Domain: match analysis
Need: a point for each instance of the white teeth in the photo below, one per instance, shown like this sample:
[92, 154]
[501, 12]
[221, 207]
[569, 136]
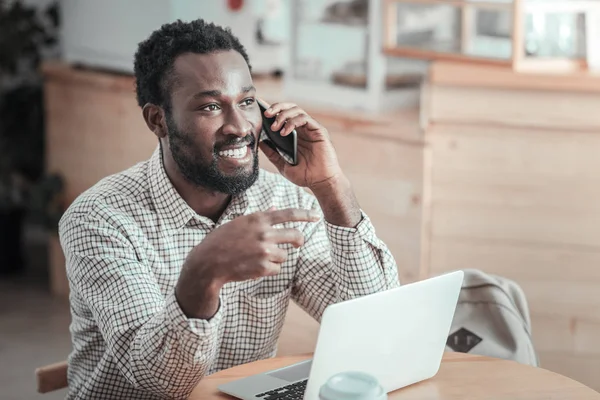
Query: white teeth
[234, 153]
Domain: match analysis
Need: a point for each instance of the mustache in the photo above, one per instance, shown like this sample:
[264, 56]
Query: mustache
[248, 140]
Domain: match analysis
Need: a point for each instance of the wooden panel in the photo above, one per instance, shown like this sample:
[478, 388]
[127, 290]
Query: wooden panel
[93, 133]
[401, 236]
[516, 225]
[514, 185]
[572, 335]
[517, 261]
[582, 368]
[552, 195]
[515, 108]
[512, 155]
[522, 203]
[387, 178]
[566, 299]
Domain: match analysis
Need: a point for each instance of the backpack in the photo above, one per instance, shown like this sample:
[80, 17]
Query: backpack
[492, 319]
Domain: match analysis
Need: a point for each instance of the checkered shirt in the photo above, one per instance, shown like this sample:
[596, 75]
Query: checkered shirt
[125, 241]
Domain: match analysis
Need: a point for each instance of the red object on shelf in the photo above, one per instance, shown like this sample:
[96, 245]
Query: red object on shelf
[235, 5]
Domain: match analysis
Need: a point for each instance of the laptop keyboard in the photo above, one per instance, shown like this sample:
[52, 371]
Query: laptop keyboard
[295, 391]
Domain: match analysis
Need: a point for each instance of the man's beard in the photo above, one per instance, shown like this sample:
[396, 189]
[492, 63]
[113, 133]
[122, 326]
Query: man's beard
[205, 173]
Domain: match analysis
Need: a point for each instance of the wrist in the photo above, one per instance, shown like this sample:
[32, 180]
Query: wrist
[198, 295]
[338, 201]
[335, 184]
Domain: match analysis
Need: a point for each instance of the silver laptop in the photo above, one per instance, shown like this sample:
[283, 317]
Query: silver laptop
[398, 336]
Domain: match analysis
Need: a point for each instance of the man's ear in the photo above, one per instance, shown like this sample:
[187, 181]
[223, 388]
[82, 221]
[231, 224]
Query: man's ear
[155, 119]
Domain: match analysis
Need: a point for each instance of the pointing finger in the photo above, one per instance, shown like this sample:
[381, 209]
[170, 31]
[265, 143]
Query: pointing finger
[292, 215]
[284, 236]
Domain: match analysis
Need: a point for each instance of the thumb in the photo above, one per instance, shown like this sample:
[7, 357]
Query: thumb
[273, 156]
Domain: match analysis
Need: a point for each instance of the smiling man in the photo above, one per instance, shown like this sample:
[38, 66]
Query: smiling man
[184, 264]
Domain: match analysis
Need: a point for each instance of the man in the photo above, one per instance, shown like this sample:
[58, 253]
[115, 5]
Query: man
[184, 264]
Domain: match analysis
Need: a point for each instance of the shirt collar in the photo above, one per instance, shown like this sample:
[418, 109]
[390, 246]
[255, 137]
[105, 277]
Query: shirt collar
[172, 209]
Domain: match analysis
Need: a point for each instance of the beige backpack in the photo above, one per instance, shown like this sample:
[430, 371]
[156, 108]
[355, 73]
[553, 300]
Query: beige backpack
[492, 319]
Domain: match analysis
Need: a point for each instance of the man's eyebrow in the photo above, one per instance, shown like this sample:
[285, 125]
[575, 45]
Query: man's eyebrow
[208, 93]
[217, 93]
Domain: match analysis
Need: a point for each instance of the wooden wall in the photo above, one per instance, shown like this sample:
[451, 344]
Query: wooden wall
[95, 128]
[511, 184]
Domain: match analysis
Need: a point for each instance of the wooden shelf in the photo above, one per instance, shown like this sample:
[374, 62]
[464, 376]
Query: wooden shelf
[518, 9]
[486, 76]
[425, 54]
[486, 5]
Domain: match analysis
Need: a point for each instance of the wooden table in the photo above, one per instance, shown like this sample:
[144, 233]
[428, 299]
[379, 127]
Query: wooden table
[461, 376]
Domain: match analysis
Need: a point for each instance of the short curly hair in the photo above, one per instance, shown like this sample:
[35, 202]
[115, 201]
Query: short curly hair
[155, 56]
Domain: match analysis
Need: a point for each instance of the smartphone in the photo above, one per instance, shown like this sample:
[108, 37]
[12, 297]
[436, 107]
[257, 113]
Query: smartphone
[286, 146]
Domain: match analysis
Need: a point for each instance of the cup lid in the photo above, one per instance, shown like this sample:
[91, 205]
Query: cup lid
[351, 385]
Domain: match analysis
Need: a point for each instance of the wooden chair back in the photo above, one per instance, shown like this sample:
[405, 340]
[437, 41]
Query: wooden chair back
[51, 377]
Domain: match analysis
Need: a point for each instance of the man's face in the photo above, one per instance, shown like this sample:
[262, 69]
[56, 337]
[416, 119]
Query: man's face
[214, 122]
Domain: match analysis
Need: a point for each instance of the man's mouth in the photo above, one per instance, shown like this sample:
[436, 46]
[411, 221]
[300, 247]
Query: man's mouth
[238, 152]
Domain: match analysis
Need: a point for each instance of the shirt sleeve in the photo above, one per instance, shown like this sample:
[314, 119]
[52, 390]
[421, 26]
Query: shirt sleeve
[338, 263]
[155, 346]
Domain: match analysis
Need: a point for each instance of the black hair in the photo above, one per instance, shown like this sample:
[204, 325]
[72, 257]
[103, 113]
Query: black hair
[155, 56]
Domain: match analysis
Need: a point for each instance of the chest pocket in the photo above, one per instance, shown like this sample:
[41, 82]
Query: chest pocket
[255, 315]
[260, 321]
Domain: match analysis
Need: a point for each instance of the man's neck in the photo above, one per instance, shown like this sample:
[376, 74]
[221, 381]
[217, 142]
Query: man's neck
[204, 202]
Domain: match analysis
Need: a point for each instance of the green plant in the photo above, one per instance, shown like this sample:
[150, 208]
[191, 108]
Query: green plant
[26, 35]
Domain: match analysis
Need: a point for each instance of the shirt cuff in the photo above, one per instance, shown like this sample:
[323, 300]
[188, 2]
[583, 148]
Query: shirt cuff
[352, 239]
[191, 329]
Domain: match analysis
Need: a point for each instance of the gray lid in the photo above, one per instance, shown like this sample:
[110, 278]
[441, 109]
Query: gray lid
[352, 385]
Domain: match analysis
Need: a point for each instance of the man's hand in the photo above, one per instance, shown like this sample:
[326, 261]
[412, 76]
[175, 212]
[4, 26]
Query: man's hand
[245, 248]
[317, 161]
[318, 168]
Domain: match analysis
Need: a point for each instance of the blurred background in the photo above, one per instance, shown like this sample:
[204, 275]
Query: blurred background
[470, 131]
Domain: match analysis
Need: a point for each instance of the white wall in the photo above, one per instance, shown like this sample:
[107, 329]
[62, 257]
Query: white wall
[106, 33]
[243, 24]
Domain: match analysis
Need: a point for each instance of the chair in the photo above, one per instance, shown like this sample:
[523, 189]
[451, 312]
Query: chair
[51, 377]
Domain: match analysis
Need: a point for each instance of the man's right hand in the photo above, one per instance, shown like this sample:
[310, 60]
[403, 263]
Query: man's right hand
[245, 248]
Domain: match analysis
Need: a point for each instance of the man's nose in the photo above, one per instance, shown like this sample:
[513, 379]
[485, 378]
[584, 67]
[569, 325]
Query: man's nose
[237, 124]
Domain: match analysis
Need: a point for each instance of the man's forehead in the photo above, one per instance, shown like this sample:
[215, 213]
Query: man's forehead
[213, 69]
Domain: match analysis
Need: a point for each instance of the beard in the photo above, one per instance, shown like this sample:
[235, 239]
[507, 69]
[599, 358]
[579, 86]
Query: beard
[206, 173]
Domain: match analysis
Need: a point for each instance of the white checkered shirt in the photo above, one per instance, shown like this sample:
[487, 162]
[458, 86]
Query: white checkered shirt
[125, 241]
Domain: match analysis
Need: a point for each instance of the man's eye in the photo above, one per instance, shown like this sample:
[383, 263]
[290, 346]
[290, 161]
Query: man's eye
[247, 102]
[211, 107]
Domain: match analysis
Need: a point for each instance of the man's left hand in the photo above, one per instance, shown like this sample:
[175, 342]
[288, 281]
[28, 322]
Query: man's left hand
[317, 162]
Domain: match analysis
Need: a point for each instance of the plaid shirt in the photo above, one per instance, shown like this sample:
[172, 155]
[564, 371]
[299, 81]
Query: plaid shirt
[125, 241]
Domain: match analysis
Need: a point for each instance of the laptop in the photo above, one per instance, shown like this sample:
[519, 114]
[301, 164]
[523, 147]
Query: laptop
[398, 336]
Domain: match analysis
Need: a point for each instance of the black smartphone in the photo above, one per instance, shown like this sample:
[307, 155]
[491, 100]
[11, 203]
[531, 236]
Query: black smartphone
[286, 146]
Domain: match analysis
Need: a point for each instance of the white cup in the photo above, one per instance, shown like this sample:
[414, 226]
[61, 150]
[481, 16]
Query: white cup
[352, 385]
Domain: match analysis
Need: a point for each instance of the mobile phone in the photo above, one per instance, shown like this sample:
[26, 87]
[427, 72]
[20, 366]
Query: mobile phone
[286, 146]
